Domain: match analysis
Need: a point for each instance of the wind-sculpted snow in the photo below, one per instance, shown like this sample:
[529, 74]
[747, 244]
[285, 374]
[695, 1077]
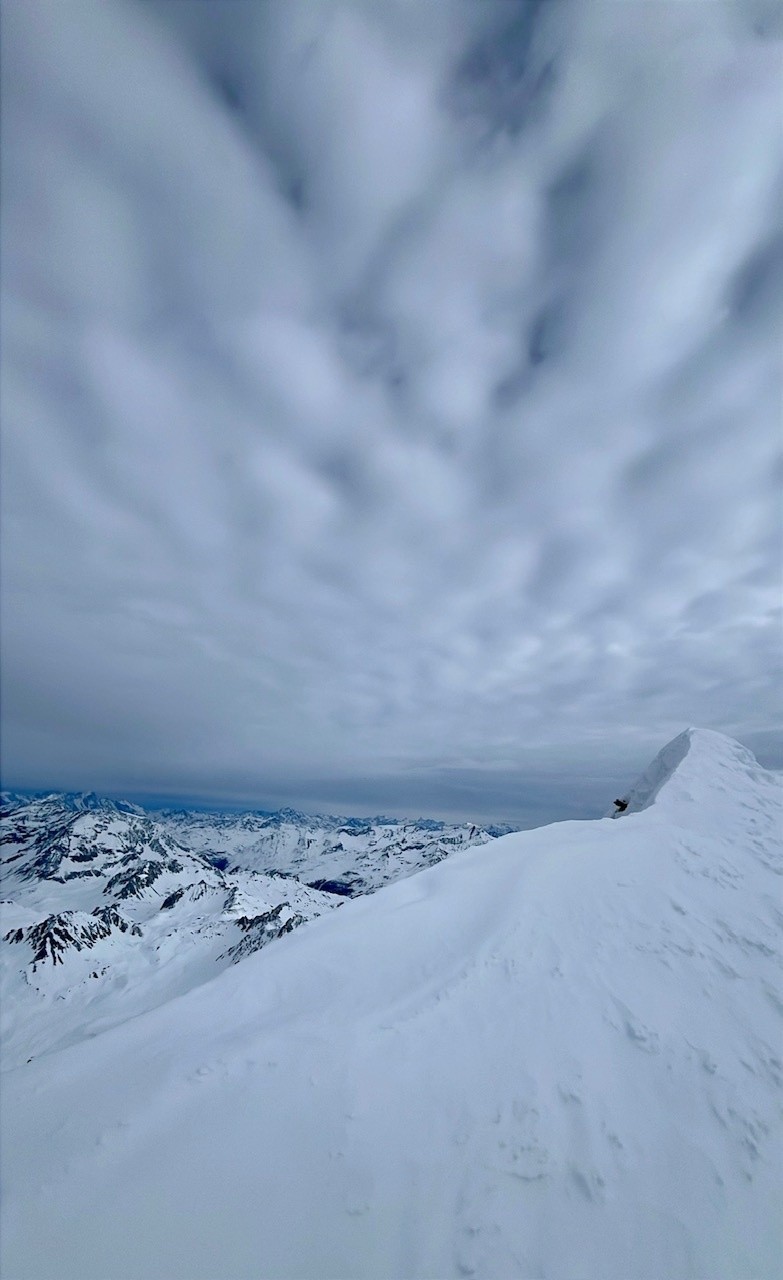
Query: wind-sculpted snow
[692, 769]
[555, 1056]
[646, 787]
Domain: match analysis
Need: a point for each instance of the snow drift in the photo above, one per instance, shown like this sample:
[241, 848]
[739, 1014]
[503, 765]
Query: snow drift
[556, 1055]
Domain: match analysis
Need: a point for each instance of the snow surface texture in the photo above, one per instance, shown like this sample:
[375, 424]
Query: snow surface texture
[557, 1055]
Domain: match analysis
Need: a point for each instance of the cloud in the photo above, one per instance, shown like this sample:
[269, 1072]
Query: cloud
[390, 390]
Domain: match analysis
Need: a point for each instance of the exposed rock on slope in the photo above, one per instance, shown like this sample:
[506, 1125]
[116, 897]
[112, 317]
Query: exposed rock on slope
[346, 856]
[81, 874]
[105, 914]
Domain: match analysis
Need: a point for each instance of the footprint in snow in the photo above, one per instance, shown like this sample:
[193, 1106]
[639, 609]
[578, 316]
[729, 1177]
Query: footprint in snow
[636, 1031]
[588, 1182]
[520, 1152]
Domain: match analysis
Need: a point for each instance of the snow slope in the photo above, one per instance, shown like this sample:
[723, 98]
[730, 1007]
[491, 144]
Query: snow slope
[104, 914]
[558, 1055]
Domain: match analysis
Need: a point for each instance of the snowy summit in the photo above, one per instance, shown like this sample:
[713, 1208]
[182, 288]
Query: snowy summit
[556, 1054]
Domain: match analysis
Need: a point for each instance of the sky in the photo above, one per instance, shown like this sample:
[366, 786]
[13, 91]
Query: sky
[391, 397]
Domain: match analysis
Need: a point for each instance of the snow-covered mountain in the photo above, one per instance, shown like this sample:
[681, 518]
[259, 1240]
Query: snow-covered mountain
[348, 856]
[104, 914]
[106, 911]
[557, 1055]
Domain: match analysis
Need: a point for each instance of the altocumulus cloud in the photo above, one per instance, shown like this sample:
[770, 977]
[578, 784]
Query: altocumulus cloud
[391, 391]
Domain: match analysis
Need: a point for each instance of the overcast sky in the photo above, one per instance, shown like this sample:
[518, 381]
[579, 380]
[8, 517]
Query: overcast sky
[391, 396]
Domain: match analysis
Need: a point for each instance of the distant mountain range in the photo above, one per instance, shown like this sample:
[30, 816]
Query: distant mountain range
[347, 856]
[108, 910]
